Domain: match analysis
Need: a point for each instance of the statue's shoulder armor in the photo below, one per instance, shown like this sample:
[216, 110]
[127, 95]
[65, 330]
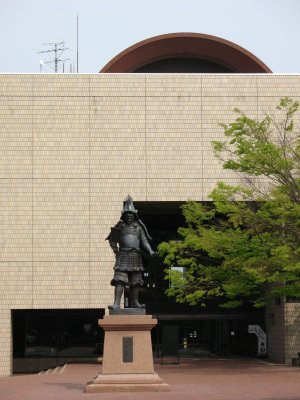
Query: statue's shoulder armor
[115, 233]
[119, 225]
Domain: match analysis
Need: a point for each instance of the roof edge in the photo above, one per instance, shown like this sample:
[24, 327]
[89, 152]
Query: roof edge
[200, 45]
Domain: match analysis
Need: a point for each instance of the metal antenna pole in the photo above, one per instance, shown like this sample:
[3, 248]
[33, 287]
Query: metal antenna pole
[77, 43]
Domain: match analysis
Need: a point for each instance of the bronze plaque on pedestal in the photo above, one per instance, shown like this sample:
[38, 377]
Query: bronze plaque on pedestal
[127, 349]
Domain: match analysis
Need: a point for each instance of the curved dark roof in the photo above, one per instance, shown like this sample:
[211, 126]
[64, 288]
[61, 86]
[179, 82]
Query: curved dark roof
[224, 55]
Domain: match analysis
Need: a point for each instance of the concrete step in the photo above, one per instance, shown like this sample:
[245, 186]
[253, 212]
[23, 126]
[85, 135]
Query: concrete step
[56, 370]
[49, 371]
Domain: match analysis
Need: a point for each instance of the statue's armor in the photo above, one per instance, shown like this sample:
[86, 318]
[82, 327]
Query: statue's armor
[127, 247]
[130, 237]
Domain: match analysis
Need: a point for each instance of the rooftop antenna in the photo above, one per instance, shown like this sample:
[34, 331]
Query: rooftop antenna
[58, 48]
[77, 43]
[41, 65]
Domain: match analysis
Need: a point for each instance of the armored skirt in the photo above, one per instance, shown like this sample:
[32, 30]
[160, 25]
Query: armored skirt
[129, 260]
[128, 269]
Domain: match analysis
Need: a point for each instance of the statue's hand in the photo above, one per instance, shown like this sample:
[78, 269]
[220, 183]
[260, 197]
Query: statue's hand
[153, 254]
[115, 250]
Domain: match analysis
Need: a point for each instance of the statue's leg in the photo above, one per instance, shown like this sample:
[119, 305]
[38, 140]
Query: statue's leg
[134, 297]
[136, 283]
[119, 281]
[119, 289]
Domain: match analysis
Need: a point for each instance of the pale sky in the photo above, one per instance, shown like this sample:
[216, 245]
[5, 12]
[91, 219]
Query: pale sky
[270, 29]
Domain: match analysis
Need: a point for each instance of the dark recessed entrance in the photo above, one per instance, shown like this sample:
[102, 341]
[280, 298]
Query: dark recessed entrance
[200, 331]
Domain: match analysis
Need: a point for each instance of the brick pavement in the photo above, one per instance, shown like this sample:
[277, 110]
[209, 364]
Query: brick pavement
[211, 379]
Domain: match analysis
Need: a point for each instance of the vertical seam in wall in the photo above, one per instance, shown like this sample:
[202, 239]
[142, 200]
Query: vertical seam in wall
[89, 266]
[256, 80]
[32, 172]
[146, 155]
[285, 330]
[201, 136]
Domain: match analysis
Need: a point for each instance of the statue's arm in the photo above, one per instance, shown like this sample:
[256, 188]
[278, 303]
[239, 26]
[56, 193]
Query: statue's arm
[114, 246]
[146, 246]
[114, 237]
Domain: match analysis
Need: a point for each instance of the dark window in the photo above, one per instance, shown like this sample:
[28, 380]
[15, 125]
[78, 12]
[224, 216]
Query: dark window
[56, 334]
[278, 301]
[292, 299]
[183, 65]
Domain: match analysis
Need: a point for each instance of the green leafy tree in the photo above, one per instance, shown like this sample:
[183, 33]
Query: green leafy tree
[244, 245]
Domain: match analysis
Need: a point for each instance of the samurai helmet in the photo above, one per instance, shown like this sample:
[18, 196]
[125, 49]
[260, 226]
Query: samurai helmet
[129, 206]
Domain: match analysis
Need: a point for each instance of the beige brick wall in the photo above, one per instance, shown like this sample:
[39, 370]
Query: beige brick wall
[5, 342]
[275, 328]
[292, 331]
[73, 146]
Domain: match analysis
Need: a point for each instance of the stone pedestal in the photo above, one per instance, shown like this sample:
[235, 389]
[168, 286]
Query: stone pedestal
[127, 358]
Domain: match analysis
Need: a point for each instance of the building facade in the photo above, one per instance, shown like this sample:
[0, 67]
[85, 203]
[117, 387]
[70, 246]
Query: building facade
[72, 148]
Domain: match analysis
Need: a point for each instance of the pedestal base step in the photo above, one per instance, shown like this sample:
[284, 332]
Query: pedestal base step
[127, 383]
[128, 311]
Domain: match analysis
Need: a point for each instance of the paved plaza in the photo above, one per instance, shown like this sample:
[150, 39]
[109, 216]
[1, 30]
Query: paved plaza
[209, 379]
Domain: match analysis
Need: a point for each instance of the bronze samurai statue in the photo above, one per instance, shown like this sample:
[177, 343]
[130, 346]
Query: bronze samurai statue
[128, 239]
